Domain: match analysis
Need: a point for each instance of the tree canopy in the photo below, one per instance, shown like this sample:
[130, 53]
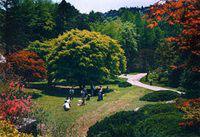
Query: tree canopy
[184, 13]
[124, 32]
[85, 57]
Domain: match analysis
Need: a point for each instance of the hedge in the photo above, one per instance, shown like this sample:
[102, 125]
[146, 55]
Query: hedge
[159, 125]
[132, 124]
[163, 95]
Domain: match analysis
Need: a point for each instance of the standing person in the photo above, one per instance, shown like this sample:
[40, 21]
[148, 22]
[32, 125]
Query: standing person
[107, 89]
[100, 93]
[71, 93]
[83, 94]
[92, 90]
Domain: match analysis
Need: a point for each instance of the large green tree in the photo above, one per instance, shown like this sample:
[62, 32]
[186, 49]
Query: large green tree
[65, 16]
[125, 33]
[95, 17]
[85, 57]
[24, 21]
[148, 41]
[129, 43]
[110, 28]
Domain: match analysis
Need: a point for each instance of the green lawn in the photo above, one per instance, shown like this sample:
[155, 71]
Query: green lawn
[79, 118]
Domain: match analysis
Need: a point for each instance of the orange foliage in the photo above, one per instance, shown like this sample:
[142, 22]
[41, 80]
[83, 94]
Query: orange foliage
[185, 13]
[28, 65]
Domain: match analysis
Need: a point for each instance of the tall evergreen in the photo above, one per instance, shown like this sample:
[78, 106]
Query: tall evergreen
[66, 13]
[24, 21]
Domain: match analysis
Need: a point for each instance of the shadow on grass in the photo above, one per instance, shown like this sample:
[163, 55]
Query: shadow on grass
[60, 90]
[35, 95]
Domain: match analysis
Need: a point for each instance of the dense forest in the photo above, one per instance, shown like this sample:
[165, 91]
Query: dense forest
[25, 22]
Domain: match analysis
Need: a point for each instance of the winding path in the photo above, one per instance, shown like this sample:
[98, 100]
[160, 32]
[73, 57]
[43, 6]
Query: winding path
[135, 80]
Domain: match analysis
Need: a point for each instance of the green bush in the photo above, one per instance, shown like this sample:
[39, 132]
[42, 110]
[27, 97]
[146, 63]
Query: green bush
[160, 125]
[124, 84]
[128, 124]
[116, 125]
[174, 78]
[121, 82]
[191, 84]
[42, 49]
[164, 95]
[150, 110]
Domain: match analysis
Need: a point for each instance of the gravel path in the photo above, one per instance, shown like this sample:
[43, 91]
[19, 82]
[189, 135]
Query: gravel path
[135, 80]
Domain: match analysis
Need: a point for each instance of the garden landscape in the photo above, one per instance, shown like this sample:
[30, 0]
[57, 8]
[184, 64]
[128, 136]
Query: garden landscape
[89, 69]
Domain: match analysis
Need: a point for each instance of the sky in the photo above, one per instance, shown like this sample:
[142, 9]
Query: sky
[85, 6]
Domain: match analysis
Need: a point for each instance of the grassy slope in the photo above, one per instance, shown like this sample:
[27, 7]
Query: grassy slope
[85, 116]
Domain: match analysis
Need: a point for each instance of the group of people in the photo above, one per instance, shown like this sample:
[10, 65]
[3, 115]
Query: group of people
[84, 96]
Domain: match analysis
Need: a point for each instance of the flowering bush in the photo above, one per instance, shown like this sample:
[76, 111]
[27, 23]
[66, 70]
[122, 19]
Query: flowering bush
[191, 108]
[14, 104]
[5, 75]
[7, 129]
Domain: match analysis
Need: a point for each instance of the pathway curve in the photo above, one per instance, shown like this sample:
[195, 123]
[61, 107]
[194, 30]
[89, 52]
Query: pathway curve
[135, 80]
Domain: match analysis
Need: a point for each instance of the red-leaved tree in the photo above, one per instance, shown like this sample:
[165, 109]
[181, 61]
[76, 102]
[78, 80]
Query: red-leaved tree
[27, 65]
[186, 13]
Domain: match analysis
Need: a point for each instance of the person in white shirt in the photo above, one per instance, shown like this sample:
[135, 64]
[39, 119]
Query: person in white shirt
[67, 104]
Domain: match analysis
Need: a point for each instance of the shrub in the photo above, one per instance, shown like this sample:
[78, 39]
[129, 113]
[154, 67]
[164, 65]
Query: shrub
[124, 84]
[14, 105]
[174, 77]
[123, 123]
[160, 96]
[191, 109]
[150, 110]
[191, 84]
[27, 65]
[42, 49]
[6, 76]
[119, 124]
[159, 125]
[8, 130]
[116, 80]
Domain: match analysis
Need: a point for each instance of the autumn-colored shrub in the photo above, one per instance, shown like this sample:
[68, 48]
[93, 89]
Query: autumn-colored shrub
[14, 105]
[8, 130]
[27, 65]
[191, 109]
